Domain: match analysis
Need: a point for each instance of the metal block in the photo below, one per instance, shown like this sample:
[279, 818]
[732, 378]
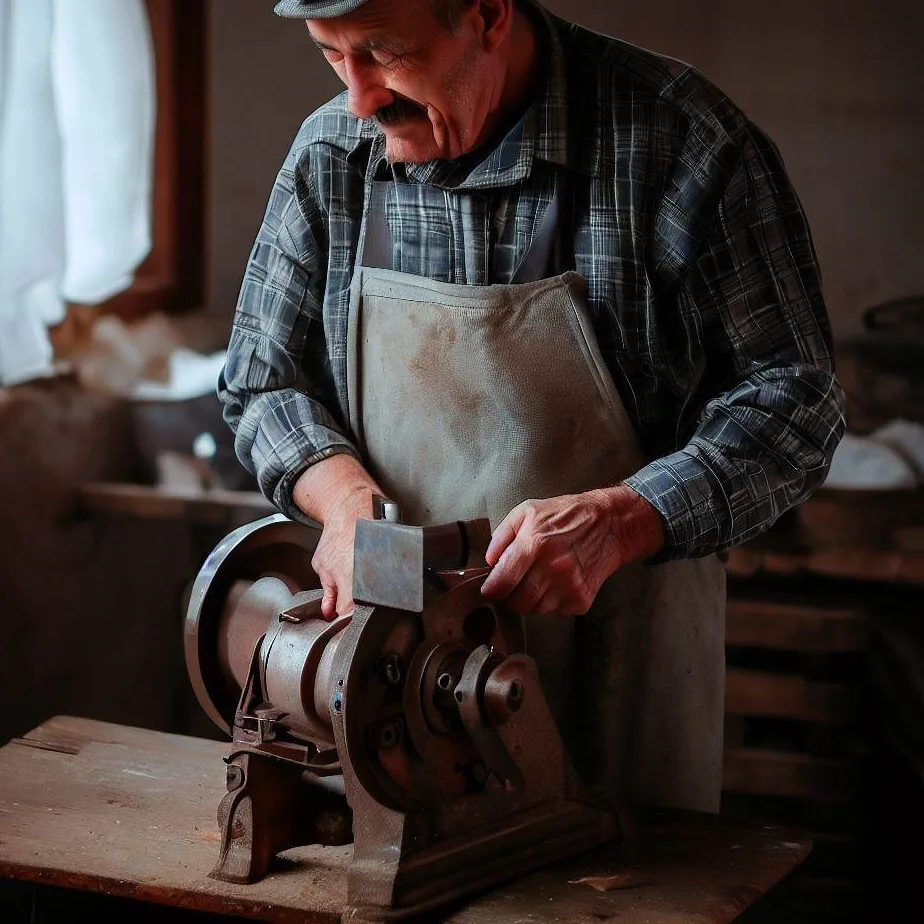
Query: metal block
[388, 565]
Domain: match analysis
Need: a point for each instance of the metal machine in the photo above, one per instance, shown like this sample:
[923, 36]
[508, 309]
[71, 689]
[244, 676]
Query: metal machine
[415, 728]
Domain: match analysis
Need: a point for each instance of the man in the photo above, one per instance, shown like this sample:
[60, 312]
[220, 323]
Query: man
[522, 271]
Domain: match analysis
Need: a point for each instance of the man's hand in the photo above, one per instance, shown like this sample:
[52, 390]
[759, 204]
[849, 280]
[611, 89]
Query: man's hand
[552, 556]
[336, 492]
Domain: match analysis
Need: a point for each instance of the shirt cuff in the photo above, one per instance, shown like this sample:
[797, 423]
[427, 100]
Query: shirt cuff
[683, 491]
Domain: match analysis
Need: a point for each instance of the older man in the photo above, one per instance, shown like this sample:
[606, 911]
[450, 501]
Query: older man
[523, 271]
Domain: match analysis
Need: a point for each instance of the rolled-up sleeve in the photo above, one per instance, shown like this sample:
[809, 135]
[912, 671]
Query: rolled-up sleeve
[768, 412]
[275, 386]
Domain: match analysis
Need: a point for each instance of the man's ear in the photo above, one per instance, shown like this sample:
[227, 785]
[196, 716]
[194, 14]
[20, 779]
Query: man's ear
[496, 17]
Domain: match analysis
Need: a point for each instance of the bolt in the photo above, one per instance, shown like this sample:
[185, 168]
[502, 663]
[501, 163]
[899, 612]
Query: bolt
[234, 777]
[389, 735]
[390, 669]
[515, 695]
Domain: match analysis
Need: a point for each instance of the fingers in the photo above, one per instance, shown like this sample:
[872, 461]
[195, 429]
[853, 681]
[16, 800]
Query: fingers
[334, 603]
[329, 602]
[500, 540]
[546, 557]
[333, 566]
[508, 571]
[533, 594]
[508, 556]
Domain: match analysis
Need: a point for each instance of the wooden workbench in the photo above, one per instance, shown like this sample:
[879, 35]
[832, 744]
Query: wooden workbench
[131, 813]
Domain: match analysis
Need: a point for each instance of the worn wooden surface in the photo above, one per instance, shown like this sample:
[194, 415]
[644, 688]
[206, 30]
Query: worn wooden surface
[872, 566]
[131, 812]
[219, 507]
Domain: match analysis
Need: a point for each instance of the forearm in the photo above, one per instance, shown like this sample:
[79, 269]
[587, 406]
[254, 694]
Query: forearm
[278, 430]
[761, 411]
[335, 486]
[276, 387]
[759, 449]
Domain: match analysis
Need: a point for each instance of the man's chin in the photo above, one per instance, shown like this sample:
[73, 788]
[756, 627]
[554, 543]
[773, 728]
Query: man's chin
[403, 148]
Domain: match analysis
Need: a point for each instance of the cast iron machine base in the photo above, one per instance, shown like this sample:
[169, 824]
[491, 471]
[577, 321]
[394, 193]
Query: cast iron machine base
[415, 728]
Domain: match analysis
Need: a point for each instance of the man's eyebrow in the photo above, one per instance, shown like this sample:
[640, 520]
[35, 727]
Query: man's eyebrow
[372, 43]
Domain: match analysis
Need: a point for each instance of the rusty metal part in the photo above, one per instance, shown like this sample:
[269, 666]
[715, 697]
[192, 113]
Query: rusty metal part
[394, 564]
[430, 719]
[271, 546]
[269, 808]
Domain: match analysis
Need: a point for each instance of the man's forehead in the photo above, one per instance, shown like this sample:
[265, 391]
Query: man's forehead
[377, 23]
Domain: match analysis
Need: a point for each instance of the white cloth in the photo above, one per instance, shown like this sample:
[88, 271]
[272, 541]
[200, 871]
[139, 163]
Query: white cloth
[889, 458]
[77, 114]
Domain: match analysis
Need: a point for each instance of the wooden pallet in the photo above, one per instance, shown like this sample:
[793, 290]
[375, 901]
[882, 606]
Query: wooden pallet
[794, 747]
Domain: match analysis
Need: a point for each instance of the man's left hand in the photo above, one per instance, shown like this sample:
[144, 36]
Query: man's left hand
[552, 556]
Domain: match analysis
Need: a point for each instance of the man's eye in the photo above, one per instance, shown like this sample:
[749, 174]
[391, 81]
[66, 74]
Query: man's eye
[332, 56]
[385, 58]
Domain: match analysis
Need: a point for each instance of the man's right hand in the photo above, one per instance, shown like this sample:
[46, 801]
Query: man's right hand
[336, 492]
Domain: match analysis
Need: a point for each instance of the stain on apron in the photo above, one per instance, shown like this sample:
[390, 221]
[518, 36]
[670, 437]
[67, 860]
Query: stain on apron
[467, 400]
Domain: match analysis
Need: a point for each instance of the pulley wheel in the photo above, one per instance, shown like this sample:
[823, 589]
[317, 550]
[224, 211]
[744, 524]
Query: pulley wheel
[273, 546]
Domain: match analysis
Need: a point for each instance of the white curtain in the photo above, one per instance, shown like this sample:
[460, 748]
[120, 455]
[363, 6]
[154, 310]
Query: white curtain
[77, 112]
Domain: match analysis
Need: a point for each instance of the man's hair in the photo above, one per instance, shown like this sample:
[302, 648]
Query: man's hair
[447, 12]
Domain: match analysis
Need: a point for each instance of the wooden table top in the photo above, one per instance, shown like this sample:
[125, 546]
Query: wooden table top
[131, 812]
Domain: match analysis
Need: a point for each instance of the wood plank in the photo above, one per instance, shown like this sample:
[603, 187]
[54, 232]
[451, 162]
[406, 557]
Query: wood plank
[133, 814]
[216, 507]
[854, 564]
[788, 626]
[786, 696]
[755, 771]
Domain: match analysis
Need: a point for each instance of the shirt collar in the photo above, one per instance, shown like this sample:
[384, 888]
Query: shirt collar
[540, 134]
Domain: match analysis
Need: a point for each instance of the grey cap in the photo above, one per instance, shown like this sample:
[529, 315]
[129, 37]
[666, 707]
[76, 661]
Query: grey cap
[316, 9]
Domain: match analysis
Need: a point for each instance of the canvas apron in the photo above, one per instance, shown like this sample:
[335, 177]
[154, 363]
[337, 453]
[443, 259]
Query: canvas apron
[467, 400]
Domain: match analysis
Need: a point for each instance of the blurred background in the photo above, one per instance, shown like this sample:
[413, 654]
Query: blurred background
[139, 140]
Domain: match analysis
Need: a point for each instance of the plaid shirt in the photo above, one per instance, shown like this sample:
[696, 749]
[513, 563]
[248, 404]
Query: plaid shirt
[702, 281]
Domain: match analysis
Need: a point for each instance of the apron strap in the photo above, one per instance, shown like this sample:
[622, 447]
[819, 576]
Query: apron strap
[535, 262]
[547, 256]
[374, 249]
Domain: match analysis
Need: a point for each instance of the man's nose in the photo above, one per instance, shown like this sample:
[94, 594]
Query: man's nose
[366, 94]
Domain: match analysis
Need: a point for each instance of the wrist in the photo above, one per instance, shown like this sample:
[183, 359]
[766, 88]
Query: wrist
[637, 527]
[335, 486]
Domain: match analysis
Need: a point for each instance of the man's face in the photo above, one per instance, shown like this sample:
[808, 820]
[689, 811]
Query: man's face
[430, 91]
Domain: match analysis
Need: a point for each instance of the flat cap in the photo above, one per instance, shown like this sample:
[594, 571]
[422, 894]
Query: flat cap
[316, 9]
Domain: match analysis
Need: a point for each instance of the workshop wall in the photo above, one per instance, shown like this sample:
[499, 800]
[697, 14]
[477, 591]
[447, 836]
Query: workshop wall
[836, 83]
[91, 607]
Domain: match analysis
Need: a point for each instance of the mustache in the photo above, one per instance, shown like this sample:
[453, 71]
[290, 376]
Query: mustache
[401, 110]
